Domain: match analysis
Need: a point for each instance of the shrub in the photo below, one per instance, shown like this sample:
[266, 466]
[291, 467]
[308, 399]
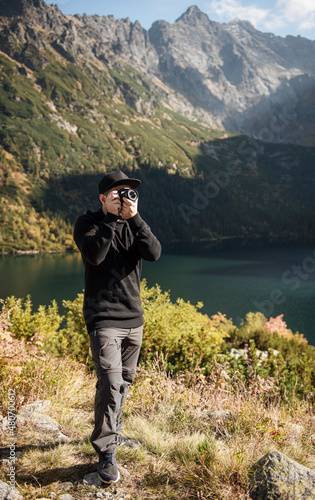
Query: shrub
[45, 321]
[186, 340]
[15, 354]
[185, 337]
[75, 330]
[290, 361]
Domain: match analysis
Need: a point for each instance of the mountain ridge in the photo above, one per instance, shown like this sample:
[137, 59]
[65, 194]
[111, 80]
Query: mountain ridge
[231, 74]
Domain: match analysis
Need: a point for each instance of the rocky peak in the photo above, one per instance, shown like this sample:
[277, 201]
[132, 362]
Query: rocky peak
[245, 25]
[245, 78]
[194, 17]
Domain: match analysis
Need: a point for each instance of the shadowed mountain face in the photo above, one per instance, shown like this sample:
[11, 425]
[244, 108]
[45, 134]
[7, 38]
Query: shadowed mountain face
[82, 95]
[227, 75]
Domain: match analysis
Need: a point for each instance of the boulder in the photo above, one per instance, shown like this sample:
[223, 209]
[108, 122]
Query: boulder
[276, 477]
[9, 493]
[35, 414]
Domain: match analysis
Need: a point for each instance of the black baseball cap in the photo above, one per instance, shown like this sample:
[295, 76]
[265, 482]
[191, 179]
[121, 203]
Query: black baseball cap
[117, 178]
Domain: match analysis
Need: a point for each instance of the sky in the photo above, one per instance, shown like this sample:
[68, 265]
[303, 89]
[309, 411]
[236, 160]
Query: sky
[281, 17]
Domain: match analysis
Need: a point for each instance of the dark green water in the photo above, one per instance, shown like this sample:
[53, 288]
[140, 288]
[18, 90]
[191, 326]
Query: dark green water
[271, 280]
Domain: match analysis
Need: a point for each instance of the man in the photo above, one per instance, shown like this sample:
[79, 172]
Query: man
[112, 242]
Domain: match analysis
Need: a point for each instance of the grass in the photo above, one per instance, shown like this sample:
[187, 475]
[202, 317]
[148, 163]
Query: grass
[184, 454]
[200, 433]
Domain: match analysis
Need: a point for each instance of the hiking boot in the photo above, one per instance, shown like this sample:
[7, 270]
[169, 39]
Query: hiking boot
[131, 443]
[107, 468]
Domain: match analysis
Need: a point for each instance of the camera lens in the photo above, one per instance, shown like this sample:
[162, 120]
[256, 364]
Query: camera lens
[132, 195]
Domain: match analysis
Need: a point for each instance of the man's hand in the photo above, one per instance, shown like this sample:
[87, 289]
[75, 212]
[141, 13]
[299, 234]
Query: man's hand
[129, 209]
[112, 203]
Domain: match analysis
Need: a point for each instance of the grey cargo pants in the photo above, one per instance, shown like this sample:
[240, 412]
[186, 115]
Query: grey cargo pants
[115, 352]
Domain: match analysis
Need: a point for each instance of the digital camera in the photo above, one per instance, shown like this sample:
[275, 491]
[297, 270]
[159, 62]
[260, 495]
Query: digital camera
[130, 194]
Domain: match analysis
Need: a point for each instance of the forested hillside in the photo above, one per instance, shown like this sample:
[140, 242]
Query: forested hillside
[66, 121]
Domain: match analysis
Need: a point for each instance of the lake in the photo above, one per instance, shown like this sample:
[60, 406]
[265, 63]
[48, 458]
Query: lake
[273, 280]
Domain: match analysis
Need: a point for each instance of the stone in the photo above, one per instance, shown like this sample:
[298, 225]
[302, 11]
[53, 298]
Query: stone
[39, 406]
[66, 486]
[42, 422]
[66, 496]
[276, 477]
[61, 438]
[34, 413]
[130, 443]
[92, 479]
[9, 493]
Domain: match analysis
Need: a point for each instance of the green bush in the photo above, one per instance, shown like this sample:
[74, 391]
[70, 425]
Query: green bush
[186, 340]
[177, 331]
[75, 330]
[290, 362]
[46, 321]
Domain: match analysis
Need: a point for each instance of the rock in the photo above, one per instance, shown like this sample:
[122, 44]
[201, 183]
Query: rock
[42, 422]
[39, 406]
[276, 476]
[33, 413]
[62, 438]
[92, 479]
[66, 486]
[66, 496]
[9, 493]
[130, 443]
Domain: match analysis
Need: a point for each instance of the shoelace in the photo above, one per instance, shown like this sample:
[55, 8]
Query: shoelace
[107, 458]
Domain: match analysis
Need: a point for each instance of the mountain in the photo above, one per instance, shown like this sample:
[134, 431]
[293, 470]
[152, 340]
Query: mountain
[251, 81]
[81, 95]
[227, 74]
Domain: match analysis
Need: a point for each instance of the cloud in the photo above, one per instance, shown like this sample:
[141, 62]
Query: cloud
[227, 10]
[292, 16]
[301, 13]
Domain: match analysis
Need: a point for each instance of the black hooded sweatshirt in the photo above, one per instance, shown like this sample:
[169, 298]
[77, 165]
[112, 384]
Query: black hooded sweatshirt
[112, 250]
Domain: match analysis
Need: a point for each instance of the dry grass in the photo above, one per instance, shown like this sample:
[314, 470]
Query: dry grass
[184, 453]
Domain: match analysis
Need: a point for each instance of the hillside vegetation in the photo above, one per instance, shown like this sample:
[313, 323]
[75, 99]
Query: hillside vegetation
[203, 416]
[64, 126]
